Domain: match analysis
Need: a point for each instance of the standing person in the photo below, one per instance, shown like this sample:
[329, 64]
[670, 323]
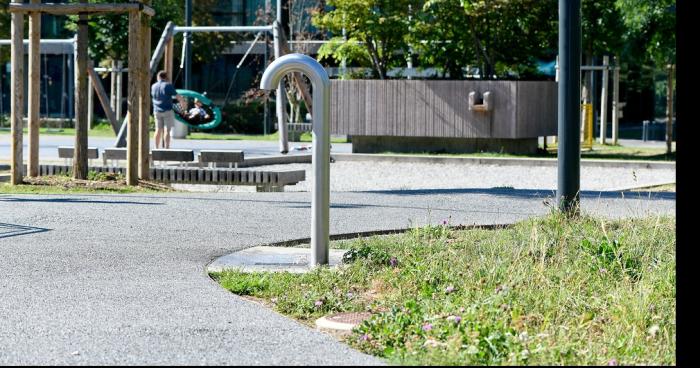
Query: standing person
[162, 93]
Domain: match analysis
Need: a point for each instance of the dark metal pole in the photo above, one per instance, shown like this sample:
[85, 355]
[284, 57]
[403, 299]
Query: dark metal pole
[569, 116]
[188, 46]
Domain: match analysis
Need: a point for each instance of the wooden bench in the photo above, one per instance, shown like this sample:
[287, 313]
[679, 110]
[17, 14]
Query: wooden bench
[113, 155]
[213, 158]
[66, 152]
[180, 155]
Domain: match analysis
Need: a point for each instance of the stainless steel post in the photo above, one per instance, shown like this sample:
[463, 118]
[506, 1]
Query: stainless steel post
[321, 149]
[604, 101]
[616, 102]
[281, 102]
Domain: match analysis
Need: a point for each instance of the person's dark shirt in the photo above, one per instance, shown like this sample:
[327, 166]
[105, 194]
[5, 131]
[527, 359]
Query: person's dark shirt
[162, 94]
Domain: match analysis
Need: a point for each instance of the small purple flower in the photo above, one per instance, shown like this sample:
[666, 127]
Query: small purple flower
[364, 337]
[449, 289]
[349, 295]
[393, 261]
[444, 222]
[603, 270]
[318, 303]
[455, 319]
[427, 327]
[612, 362]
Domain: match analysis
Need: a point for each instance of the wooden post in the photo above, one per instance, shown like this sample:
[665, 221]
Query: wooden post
[132, 133]
[102, 96]
[168, 59]
[669, 110]
[34, 95]
[144, 95]
[604, 101]
[80, 159]
[616, 102]
[17, 94]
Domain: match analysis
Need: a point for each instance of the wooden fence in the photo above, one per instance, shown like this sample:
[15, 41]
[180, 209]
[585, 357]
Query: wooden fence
[440, 108]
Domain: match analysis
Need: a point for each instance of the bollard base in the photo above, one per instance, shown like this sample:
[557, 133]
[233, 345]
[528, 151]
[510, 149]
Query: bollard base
[271, 259]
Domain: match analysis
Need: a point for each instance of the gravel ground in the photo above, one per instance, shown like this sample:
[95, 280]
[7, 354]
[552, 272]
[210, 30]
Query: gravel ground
[350, 176]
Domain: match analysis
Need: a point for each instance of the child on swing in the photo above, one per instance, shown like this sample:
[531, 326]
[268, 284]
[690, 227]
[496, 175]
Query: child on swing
[197, 113]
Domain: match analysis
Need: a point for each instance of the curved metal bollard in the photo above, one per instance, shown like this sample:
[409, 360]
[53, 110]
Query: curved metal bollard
[321, 149]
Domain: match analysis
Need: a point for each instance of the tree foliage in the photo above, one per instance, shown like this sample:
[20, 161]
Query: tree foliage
[376, 31]
[109, 36]
[501, 37]
[650, 29]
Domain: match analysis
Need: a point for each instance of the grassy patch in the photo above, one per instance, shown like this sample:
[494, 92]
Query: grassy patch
[305, 137]
[603, 152]
[657, 188]
[545, 291]
[96, 183]
[232, 137]
[100, 130]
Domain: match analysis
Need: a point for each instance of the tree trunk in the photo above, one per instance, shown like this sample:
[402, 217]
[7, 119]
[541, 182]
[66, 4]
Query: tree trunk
[80, 159]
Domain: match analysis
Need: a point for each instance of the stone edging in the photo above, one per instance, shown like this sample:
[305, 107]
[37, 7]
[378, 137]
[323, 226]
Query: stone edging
[352, 235]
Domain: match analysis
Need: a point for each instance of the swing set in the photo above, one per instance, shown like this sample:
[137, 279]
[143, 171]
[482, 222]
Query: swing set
[213, 112]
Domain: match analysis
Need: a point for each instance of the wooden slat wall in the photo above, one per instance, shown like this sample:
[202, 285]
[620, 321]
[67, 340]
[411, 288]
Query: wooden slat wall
[434, 108]
[537, 102]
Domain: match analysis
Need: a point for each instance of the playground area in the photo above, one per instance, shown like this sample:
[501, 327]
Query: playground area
[456, 218]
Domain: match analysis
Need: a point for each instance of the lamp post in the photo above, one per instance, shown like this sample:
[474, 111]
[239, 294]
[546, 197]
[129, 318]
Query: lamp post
[569, 117]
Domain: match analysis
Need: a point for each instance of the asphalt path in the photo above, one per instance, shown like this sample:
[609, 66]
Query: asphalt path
[120, 279]
[48, 146]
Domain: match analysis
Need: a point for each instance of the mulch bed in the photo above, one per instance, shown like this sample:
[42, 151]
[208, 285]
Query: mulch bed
[108, 182]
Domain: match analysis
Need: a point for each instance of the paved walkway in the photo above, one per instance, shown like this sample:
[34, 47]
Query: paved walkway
[120, 279]
[48, 146]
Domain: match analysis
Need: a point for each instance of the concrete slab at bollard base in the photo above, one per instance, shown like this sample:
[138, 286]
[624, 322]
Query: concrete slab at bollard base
[271, 259]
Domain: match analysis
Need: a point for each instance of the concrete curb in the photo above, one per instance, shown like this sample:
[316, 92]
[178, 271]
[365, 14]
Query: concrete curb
[344, 236]
[511, 161]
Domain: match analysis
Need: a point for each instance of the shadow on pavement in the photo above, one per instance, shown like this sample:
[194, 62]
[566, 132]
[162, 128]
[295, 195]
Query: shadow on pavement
[71, 200]
[11, 230]
[530, 193]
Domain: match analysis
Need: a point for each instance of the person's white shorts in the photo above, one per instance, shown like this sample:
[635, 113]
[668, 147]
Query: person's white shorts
[166, 118]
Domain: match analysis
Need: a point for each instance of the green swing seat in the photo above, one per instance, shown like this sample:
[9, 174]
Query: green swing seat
[209, 124]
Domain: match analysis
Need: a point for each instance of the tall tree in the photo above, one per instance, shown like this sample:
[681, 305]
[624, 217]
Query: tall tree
[501, 37]
[375, 32]
[651, 24]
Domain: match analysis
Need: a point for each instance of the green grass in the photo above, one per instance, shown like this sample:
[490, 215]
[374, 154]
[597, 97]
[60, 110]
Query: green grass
[609, 152]
[658, 188]
[545, 291]
[232, 137]
[100, 130]
[305, 137]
